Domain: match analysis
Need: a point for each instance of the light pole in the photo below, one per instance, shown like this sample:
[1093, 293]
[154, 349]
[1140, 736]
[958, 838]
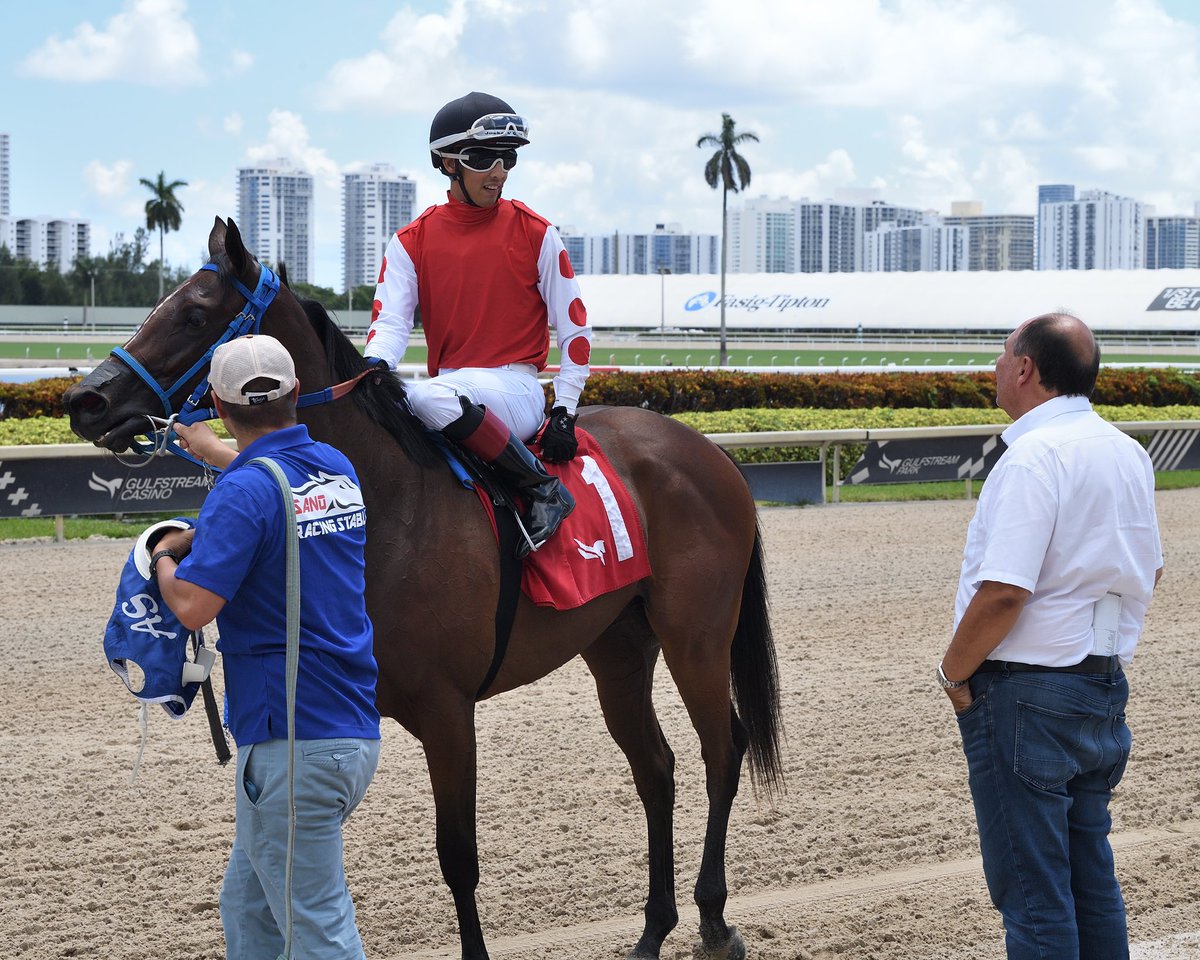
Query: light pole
[662, 299]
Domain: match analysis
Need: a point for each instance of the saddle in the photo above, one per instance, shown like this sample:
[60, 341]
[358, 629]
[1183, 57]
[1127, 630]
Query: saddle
[599, 548]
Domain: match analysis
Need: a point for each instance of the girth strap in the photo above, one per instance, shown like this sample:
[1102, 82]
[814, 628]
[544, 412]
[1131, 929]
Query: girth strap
[510, 592]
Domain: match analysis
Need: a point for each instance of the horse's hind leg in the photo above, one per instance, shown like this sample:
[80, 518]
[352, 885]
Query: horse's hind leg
[622, 661]
[697, 655]
[450, 755]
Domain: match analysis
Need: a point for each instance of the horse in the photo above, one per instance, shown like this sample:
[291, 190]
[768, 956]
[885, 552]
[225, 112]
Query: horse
[432, 582]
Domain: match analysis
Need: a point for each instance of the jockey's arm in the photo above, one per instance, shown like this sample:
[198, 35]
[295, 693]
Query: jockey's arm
[394, 313]
[568, 319]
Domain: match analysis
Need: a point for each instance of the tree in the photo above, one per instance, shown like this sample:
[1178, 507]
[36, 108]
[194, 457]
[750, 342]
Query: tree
[162, 214]
[721, 169]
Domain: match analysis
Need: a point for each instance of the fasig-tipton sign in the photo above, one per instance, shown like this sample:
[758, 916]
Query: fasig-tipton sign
[915, 461]
[70, 485]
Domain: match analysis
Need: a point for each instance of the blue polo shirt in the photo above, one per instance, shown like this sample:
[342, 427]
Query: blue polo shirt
[239, 553]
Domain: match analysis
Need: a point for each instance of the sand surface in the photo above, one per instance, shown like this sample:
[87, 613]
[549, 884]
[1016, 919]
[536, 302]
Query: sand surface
[871, 853]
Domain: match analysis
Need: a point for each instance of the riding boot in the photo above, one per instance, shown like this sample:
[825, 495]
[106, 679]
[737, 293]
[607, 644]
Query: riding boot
[548, 502]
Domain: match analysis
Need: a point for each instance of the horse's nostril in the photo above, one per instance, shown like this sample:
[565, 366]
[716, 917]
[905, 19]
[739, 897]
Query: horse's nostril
[90, 403]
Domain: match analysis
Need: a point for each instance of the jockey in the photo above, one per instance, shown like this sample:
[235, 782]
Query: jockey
[490, 278]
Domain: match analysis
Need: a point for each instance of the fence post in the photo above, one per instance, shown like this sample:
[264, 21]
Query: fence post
[59, 534]
[837, 473]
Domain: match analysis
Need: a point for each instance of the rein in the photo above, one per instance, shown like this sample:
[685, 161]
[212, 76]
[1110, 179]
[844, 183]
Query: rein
[161, 436]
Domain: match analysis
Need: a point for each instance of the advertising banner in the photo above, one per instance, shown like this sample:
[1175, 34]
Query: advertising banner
[1174, 450]
[84, 485]
[916, 461]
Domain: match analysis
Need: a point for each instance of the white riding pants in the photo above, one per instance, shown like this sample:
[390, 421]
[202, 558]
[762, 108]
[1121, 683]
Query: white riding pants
[512, 393]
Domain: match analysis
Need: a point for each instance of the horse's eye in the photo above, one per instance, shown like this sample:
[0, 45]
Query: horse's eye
[195, 318]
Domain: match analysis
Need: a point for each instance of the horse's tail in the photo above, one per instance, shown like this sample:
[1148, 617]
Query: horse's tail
[755, 675]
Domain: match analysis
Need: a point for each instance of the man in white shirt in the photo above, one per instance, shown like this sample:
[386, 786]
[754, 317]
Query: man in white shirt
[1060, 562]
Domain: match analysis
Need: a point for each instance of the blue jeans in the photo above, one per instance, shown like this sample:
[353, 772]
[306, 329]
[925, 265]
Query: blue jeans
[331, 777]
[1044, 751]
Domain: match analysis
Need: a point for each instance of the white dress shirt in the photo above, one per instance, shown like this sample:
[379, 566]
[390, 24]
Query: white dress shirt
[1068, 514]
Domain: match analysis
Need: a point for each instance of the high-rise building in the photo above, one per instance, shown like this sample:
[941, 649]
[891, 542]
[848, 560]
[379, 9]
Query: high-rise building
[996, 241]
[1172, 243]
[1099, 231]
[928, 246]
[375, 204]
[829, 237]
[762, 236]
[275, 214]
[5, 187]
[1056, 193]
[54, 243]
[1048, 193]
[667, 250]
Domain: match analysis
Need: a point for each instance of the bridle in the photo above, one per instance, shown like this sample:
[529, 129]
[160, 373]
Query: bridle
[161, 434]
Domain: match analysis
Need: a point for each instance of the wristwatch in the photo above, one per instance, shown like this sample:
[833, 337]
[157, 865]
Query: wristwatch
[158, 555]
[949, 684]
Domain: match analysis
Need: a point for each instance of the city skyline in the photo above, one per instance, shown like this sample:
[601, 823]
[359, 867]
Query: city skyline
[928, 102]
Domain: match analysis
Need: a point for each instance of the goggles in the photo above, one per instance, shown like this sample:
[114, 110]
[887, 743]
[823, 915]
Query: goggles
[482, 159]
[494, 126]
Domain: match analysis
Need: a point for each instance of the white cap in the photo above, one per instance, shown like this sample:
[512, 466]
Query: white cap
[254, 356]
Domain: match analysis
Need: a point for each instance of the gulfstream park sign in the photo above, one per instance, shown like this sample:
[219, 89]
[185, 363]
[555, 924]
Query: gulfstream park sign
[754, 302]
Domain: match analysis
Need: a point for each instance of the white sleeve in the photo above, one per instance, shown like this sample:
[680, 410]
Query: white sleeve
[568, 318]
[395, 305]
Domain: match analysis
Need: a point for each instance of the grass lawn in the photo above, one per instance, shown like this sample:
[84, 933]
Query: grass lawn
[702, 353]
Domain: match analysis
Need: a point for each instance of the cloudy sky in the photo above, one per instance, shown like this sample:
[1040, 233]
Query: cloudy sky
[928, 101]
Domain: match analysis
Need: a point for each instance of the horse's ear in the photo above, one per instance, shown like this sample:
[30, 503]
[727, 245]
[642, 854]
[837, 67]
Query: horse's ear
[216, 239]
[283, 277]
[239, 257]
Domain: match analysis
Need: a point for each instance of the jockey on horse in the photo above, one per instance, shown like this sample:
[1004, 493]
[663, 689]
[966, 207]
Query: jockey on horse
[489, 277]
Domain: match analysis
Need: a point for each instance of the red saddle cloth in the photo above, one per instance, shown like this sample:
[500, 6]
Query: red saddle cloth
[600, 547]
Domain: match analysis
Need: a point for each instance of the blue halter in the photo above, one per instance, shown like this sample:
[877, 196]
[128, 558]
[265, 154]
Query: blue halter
[247, 321]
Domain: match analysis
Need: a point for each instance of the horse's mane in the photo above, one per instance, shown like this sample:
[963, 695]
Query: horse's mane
[380, 396]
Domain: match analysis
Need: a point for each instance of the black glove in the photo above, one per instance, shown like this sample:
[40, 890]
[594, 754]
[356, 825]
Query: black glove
[558, 438]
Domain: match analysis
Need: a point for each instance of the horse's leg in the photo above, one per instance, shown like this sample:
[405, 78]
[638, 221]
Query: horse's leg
[622, 661]
[450, 755]
[696, 651]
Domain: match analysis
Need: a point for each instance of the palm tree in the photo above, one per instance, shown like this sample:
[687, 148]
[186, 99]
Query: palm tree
[162, 214]
[720, 169]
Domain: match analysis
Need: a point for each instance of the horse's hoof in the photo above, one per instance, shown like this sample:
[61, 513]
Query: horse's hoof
[732, 949]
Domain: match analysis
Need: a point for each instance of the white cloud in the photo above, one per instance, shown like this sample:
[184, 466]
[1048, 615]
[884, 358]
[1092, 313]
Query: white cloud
[149, 42]
[1008, 177]
[288, 139]
[232, 124]
[928, 174]
[239, 62]
[418, 66]
[819, 182]
[202, 201]
[109, 182]
[917, 54]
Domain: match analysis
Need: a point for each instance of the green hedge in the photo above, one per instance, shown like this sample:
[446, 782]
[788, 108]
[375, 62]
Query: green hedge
[685, 391]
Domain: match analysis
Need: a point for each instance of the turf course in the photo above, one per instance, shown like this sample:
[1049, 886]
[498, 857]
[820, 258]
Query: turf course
[701, 353]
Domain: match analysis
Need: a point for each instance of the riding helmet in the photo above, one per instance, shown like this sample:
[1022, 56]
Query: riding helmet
[479, 119]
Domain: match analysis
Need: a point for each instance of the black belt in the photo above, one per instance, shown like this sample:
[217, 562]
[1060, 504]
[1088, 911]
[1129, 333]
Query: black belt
[1094, 664]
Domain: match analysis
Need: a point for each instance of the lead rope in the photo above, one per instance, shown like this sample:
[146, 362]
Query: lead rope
[292, 668]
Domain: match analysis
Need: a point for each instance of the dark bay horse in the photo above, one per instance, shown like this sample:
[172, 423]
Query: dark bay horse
[433, 575]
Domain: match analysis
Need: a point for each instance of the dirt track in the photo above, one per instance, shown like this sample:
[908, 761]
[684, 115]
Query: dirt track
[870, 853]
